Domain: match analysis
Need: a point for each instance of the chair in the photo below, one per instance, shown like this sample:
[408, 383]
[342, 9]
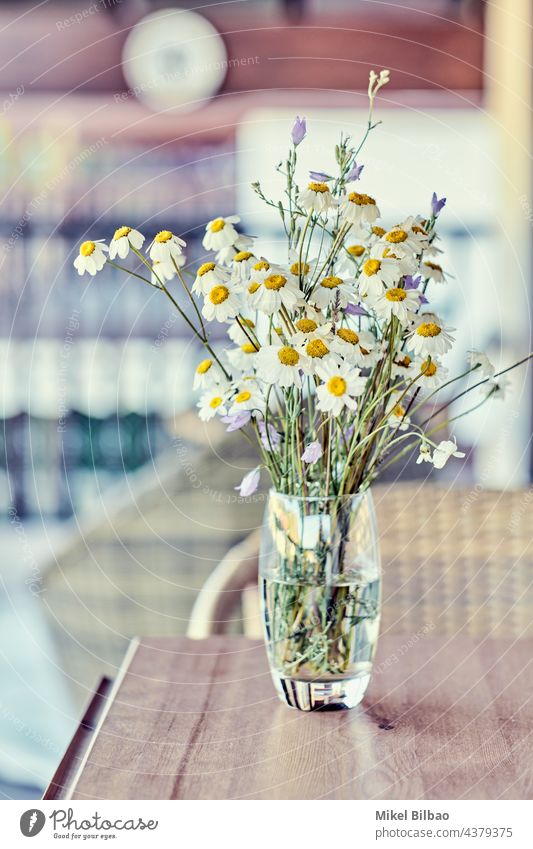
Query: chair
[454, 560]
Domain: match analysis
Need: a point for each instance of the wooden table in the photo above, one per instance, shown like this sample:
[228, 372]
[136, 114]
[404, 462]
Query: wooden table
[443, 719]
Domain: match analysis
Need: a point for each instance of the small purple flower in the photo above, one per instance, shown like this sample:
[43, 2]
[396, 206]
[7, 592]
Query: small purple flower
[437, 204]
[237, 420]
[249, 483]
[354, 173]
[411, 282]
[271, 441]
[354, 309]
[313, 452]
[299, 130]
[423, 299]
[320, 176]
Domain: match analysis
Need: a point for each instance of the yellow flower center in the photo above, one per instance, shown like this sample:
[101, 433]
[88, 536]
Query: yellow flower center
[215, 402]
[319, 188]
[163, 236]
[317, 349]
[399, 411]
[396, 236]
[356, 250]
[306, 325]
[331, 282]
[348, 335]
[420, 230]
[217, 225]
[262, 265]
[300, 268]
[361, 199]
[371, 267]
[336, 386]
[205, 268]
[405, 362]
[428, 329]
[378, 231]
[204, 366]
[87, 248]
[242, 255]
[121, 232]
[249, 348]
[242, 397]
[428, 368]
[275, 281]
[433, 265]
[248, 322]
[253, 287]
[219, 294]
[288, 356]
[396, 294]
[279, 331]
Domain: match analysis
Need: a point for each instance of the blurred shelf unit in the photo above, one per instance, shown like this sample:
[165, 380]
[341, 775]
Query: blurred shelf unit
[76, 417]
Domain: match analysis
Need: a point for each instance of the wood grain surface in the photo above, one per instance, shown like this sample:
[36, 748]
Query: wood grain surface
[443, 719]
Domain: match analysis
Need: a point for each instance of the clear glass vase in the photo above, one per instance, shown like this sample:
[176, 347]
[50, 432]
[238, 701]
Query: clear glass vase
[320, 578]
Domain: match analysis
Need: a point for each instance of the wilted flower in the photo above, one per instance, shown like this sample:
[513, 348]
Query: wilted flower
[313, 452]
[249, 483]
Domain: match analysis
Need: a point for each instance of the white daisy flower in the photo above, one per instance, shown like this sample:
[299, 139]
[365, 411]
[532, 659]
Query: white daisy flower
[316, 346]
[351, 258]
[207, 374]
[496, 387]
[301, 271]
[247, 397]
[263, 268]
[211, 404]
[444, 451]
[424, 455]
[396, 411]
[91, 258]
[404, 367]
[244, 357]
[163, 271]
[430, 337]
[208, 275]
[433, 374]
[405, 238]
[123, 239]
[220, 233]
[165, 247]
[354, 346]
[241, 266]
[316, 198]
[281, 365]
[275, 290]
[358, 209]
[482, 364]
[342, 384]
[221, 303]
[242, 243]
[399, 302]
[377, 273]
[333, 290]
[432, 270]
[237, 334]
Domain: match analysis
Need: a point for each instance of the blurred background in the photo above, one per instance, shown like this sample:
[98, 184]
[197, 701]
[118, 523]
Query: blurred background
[159, 116]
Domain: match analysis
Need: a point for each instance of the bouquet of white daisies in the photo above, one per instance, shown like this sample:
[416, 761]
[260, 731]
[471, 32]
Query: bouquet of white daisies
[334, 357]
